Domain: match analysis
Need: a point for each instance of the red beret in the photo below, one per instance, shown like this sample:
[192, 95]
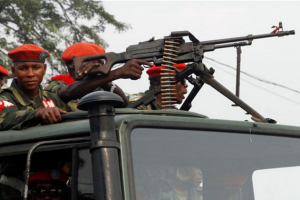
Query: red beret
[65, 78]
[81, 49]
[155, 71]
[49, 175]
[3, 71]
[28, 53]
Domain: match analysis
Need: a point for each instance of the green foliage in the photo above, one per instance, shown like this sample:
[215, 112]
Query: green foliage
[53, 25]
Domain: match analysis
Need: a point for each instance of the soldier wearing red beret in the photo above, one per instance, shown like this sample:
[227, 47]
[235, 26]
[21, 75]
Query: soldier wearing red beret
[154, 77]
[132, 69]
[3, 73]
[48, 184]
[25, 103]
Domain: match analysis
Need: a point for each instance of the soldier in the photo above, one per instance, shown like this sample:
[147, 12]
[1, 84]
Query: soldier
[132, 69]
[25, 103]
[197, 177]
[3, 73]
[174, 183]
[183, 185]
[48, 184]
[154, 77]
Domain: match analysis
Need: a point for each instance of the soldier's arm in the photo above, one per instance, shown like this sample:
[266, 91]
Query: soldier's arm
[79, 89]
[117, 90]
[12, 118]
[132, 69]
[49, 115]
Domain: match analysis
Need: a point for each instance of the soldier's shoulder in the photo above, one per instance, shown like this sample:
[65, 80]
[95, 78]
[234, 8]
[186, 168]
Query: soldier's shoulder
[6, 94]
[135, 97]
[54, 85]
[50, 94]
[4, 91]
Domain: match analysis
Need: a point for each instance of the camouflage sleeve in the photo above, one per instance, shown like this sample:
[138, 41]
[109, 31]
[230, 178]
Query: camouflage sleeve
[55, 85]
[12, 118]
[57, 100]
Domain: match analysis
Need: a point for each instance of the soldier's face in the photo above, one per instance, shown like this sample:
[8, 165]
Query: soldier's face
[29, 75]
[180, 91]
[48, 191]
[196, 176]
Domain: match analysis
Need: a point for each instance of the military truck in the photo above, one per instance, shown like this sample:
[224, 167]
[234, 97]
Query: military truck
[137, 154]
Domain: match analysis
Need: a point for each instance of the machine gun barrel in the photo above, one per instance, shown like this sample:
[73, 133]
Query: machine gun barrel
[249, 37]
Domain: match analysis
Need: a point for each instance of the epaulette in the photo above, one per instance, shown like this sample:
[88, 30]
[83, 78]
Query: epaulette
[5, 90]
[3, 96]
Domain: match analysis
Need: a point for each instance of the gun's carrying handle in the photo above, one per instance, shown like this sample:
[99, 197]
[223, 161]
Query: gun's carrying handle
[110, 58]
[180, 33]
[185, 33]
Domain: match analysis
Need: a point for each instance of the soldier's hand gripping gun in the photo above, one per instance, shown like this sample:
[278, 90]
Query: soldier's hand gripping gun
[173, 49]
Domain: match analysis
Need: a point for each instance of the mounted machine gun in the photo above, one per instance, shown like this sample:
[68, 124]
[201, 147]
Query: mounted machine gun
[173, 49]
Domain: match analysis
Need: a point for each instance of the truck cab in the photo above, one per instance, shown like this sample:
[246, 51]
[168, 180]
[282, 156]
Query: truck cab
[157, 155]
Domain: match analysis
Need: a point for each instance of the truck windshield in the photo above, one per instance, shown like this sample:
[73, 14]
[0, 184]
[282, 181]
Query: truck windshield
[190, 164]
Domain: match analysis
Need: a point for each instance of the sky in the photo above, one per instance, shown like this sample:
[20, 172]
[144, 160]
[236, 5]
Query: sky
[273, 59]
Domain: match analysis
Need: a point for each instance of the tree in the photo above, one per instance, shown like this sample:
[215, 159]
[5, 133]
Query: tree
[53, 25]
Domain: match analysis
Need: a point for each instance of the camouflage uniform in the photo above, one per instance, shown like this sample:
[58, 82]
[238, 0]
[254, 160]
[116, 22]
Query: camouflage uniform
[17, 111]
[152, 106]
[173, 195]
[54, 86]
